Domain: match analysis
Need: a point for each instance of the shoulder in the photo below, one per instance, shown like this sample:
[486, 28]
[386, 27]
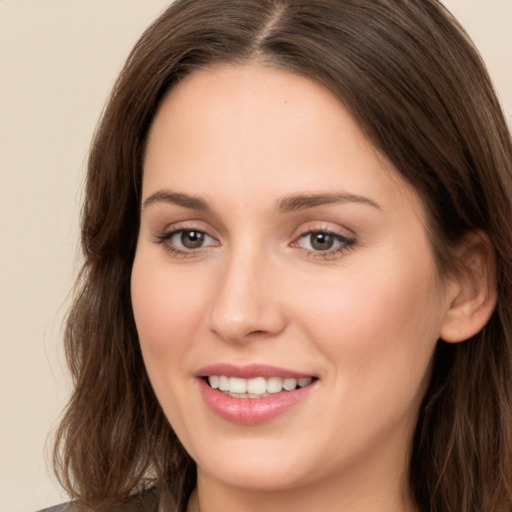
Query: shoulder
[145, 502]
[67, 507]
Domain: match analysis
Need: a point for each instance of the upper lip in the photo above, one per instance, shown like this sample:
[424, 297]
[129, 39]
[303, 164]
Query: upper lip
[249, 371]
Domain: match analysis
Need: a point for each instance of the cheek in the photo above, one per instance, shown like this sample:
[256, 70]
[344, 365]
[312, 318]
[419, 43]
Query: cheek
[392, 306]
[378, 327]
[167, 306]
[168, 311]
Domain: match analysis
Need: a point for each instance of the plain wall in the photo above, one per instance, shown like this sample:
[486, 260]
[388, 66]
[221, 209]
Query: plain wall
[58, 60]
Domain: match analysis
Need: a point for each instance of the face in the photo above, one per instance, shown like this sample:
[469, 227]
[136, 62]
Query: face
[284, 289]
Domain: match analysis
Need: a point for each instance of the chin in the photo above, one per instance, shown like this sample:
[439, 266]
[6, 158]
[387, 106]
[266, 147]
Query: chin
[261, 469]
[258, 479]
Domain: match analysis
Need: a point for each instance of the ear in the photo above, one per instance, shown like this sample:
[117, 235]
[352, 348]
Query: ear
[472, 290]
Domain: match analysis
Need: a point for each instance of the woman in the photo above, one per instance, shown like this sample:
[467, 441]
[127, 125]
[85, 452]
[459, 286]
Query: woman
[296, 292]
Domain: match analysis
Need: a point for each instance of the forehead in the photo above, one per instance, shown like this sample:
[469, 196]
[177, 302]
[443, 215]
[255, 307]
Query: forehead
[245, 127]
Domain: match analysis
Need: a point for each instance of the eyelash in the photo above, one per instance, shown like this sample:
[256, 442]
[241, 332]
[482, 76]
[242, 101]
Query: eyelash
[345, 243]
[165, 240]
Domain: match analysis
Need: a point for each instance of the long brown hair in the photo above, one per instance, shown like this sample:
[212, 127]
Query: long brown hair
[412, 79]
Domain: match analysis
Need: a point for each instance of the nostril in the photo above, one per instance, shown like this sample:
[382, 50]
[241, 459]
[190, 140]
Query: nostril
[257, 333]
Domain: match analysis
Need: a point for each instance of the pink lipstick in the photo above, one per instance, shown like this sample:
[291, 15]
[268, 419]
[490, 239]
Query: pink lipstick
[254, 393]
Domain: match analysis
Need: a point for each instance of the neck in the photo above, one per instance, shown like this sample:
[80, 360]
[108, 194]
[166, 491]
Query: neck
[341, 493]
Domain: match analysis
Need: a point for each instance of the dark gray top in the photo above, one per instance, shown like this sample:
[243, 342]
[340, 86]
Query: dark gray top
[145, 502]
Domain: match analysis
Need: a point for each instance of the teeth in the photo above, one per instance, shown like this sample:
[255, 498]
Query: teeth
[214, 381]
[289, 384]
[274, 385]
[237, 385]
[224, 383]
[256, 387]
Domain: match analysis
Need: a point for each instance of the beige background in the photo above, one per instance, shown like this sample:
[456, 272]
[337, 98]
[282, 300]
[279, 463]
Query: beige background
[58, 59]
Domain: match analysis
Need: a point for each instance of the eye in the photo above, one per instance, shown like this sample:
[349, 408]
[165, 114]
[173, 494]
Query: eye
[324, 243]
[183, 241]
[191, 239]
[320, 241]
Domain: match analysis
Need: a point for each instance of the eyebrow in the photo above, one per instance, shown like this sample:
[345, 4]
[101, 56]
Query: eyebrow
[305, 201]
[287, 204]
[166, 196]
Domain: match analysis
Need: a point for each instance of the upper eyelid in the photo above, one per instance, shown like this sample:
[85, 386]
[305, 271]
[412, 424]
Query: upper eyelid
[165, 240]
[345, 244]
[324, 227]
[189, 225]
[304, 229]
[347, 240]
[169, 233]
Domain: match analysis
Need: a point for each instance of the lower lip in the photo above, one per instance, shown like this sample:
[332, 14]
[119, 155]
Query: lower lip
[250, 411]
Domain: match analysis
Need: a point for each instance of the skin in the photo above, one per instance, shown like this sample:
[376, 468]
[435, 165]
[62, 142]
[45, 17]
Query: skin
[363, 317]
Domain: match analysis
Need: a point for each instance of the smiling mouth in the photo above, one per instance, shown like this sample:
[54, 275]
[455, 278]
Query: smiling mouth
[258, 387]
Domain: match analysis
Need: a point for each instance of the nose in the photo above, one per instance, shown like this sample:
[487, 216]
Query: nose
[246, 303]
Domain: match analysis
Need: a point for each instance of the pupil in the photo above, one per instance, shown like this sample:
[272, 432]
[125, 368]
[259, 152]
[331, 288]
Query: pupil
[192, 239]
[321, 241]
